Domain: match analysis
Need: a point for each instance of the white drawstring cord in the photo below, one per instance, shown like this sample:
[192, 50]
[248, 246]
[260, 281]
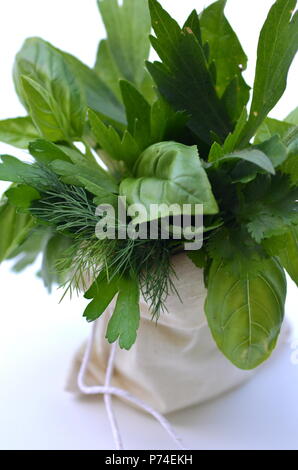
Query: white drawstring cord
[107, 390]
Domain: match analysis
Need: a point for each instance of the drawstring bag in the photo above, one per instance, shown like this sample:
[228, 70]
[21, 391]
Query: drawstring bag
[175, 362]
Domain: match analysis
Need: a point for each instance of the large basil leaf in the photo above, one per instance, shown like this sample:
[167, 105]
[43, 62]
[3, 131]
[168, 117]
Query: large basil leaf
[14, 228]
[169, 173]
[18, 132]
[277, 48]
[285, 247]
[183, 77]
[47, 66]
[128, 27]
[227, 53]
[245, 315]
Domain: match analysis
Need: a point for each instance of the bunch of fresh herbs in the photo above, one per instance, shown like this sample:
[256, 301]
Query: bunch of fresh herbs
[175, 131]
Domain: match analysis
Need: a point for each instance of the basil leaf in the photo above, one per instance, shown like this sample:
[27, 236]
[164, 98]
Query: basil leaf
[126, 317]
[277, 48]
[128, 27]
[14, 228]
[254, 156]
[169, 173]
[245, 315]
[18, 132]
[44, 111]
[47, 67]
[183, 77]
[227, 54]
[98, 96]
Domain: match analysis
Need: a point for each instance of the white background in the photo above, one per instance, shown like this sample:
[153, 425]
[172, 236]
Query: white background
[38, 336]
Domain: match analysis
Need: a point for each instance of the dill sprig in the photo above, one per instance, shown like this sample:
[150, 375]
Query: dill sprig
[72, 211]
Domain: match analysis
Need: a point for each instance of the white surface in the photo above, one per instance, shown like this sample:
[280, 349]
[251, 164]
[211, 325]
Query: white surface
[38, 337]
[37, 340]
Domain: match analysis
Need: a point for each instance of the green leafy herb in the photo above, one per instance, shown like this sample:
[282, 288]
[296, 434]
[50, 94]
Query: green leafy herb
[245, 316]
[177, 133]
[18, 132]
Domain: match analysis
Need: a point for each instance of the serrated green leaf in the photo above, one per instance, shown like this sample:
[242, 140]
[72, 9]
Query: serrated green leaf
[185, 69]
[276, 50]
[166, 124]
[228, 55]
[245, 316]
[18, 132]
[122, 149]
[102, 292]
[271, 206]
[125, 320]
[169, 173]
